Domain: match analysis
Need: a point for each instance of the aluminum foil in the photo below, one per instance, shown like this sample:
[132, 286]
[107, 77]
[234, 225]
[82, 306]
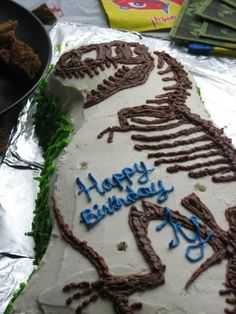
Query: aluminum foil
[18, 190]
[216, 77]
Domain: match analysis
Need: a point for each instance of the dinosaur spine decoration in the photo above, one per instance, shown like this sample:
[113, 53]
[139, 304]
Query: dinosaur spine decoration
[119, 288]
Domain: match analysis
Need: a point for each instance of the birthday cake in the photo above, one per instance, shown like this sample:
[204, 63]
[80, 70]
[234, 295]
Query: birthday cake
[143, 196]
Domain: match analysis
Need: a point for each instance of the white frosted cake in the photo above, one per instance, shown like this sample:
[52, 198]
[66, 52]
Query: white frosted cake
[143, 197]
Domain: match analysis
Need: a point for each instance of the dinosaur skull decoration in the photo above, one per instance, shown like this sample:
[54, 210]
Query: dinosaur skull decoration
[132, 63]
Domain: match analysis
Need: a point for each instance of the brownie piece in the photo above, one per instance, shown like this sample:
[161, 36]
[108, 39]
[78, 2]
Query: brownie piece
[9, 26]
[45, 15]
[17, 55]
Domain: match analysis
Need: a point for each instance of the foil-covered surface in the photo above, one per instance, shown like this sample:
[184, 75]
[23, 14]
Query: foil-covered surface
[18, 189]
[215, 76]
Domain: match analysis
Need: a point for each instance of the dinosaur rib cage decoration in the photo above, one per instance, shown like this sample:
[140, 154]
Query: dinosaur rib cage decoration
[169, 111]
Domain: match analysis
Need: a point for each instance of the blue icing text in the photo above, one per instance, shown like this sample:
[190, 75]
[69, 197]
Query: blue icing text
[116, 181]
[122, 181]
[178, 229]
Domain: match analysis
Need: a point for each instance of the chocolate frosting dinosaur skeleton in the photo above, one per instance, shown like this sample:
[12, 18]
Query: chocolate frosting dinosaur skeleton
[133, 64]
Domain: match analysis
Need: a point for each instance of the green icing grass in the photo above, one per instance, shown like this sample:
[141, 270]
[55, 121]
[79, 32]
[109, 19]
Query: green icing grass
[199, 93]
[53, 129]
[16, 294]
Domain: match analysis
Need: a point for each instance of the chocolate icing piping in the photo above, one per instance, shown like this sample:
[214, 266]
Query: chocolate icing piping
[188, 158]
[225, 241]
[208, 171]
[81, 246]
[148, 128]
[115, 288]
[177, 168]
[158, 138]
[182, 152]
[71, 65]
[176, 109]
[201, 138]
[118, 288]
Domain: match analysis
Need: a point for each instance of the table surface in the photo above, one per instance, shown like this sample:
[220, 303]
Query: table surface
[79, 11]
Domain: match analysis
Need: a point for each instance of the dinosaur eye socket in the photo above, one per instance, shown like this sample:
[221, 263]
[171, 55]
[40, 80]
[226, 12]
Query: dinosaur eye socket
[137, 4]
[89, 56]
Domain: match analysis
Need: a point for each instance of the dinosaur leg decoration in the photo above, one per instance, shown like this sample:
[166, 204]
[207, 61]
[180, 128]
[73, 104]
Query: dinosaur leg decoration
[115, 288]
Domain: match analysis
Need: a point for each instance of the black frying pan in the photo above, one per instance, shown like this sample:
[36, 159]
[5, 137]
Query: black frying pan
[13, 91]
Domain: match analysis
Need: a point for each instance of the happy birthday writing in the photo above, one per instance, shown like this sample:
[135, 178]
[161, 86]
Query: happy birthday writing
[122, 181]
